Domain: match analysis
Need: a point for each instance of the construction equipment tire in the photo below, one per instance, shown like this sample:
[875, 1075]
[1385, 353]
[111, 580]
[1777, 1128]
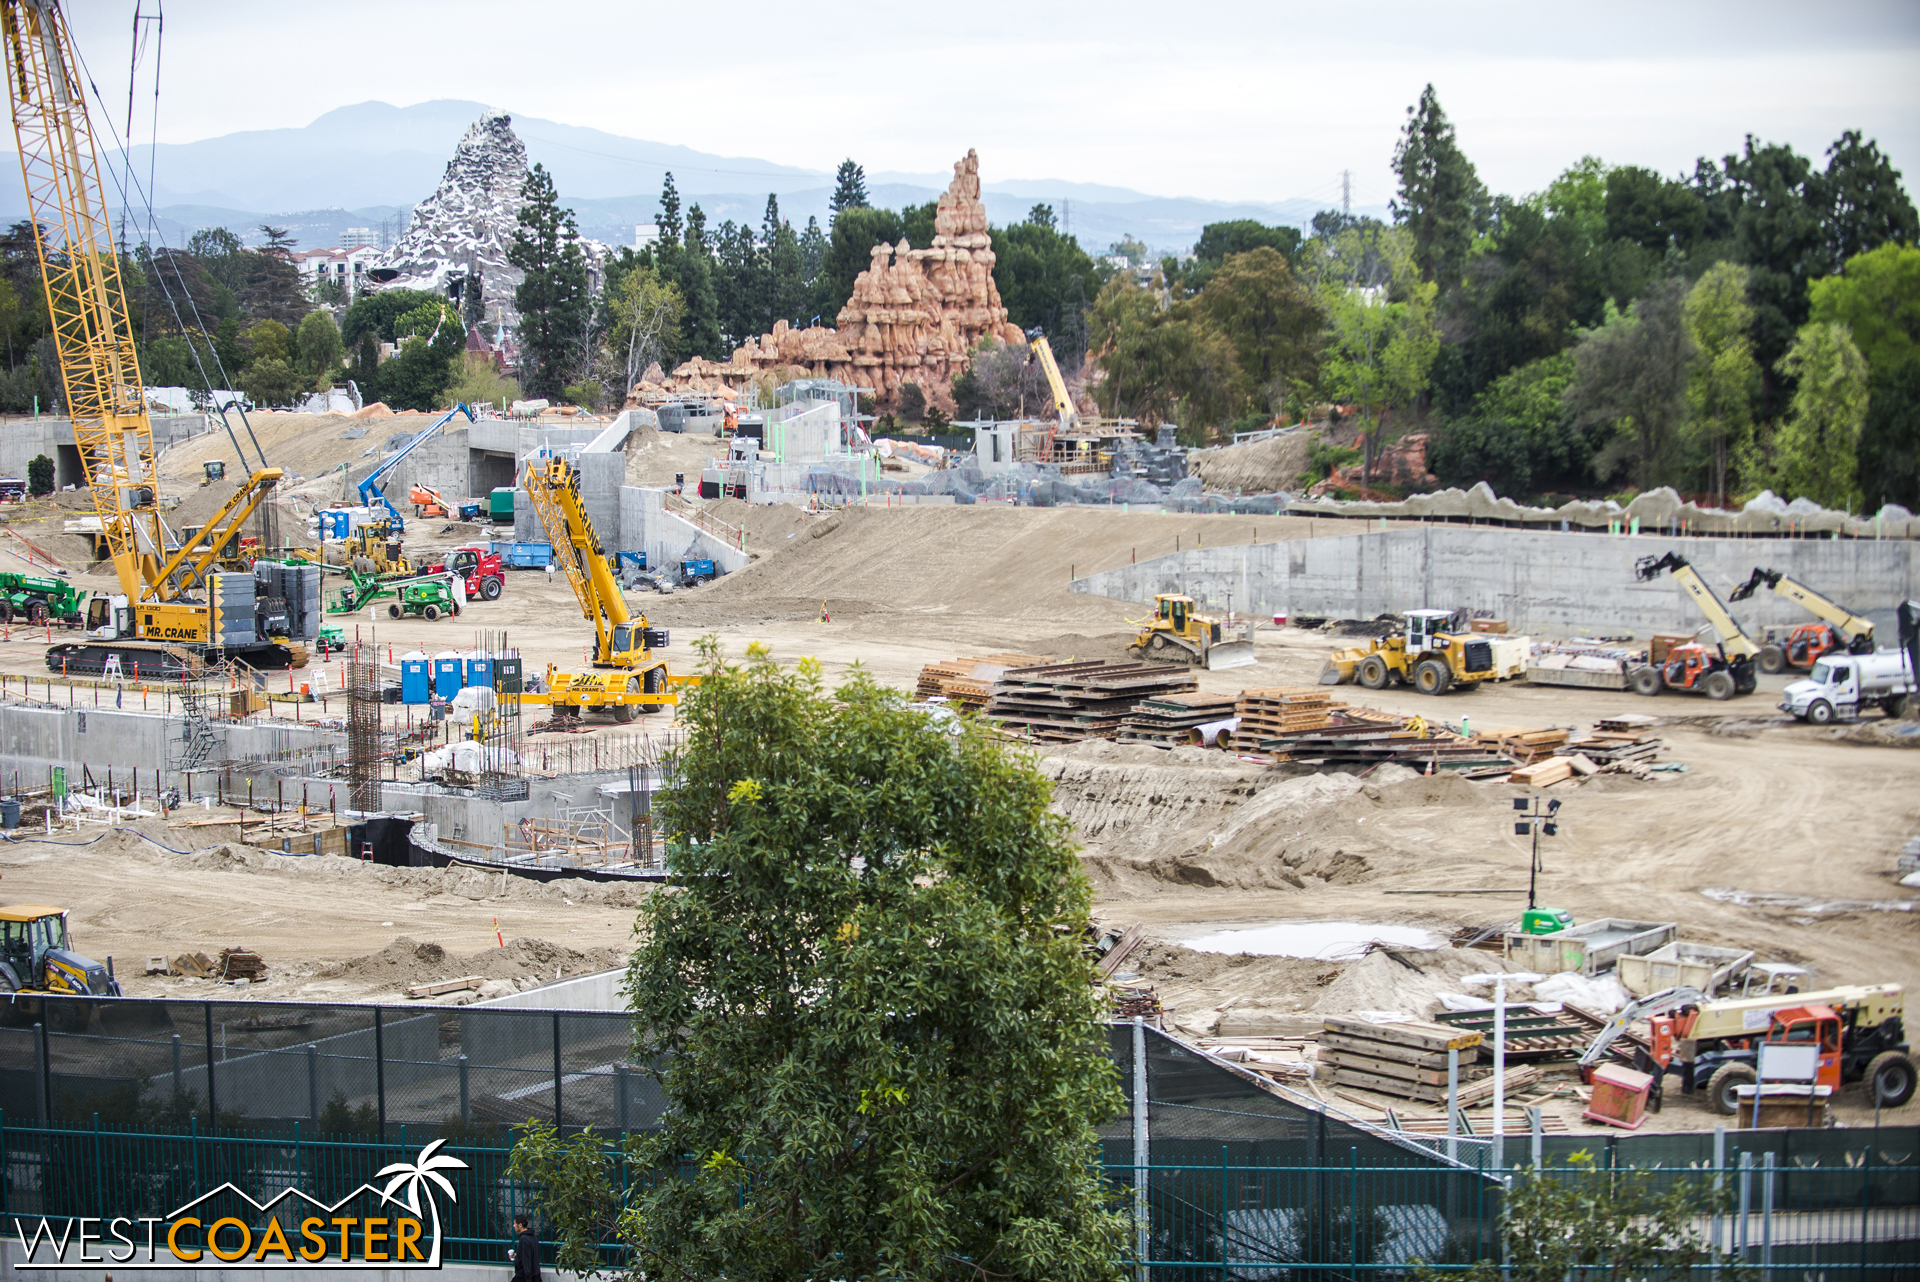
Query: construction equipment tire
[1820, 712]
[1718, 686]
[430, 612]
[1645, 681]
[1720, 1087]
[1432, 676]
[456, 609]
[1372, 672]
[656, 684]
[623, 712]
[489, 589]
[393, 611]
[36, 612]
[1772, 659]
[1890, 1078]
[1895, 706]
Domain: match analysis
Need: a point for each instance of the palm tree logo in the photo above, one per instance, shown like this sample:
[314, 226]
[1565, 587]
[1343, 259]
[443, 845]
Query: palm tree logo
[423, 1171]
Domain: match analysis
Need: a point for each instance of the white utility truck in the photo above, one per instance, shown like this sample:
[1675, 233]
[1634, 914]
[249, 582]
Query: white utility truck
[1840, 685]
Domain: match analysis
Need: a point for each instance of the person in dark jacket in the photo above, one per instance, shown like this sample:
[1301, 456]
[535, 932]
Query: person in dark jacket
[526, 1251]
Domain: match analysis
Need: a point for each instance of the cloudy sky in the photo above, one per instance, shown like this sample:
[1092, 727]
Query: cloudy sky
[1216, 99]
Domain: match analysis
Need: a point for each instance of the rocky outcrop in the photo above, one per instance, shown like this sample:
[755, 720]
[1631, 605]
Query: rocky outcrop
[468, 222]
[915, 315]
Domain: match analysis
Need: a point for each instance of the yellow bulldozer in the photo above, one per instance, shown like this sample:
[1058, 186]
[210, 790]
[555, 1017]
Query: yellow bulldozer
[1177, 633]
[1426, 653]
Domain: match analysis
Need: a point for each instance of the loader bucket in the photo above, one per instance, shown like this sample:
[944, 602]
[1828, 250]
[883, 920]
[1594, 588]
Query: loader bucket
[1340, 666]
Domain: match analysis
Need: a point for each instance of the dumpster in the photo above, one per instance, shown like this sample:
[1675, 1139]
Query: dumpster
[1591, 947]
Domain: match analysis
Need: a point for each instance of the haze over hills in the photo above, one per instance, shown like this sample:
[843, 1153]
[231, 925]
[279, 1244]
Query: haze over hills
[360, 165]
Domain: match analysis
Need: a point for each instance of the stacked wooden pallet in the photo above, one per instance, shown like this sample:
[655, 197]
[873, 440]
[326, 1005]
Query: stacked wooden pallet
[1365, 737]
[1620, 740]
[968, 682]
[1069, 702]
[1408, 1060]
[1278, 711]
[1526, 746]
[1169, 720]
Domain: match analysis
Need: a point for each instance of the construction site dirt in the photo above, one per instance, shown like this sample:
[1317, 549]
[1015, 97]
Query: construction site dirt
[1777, 836]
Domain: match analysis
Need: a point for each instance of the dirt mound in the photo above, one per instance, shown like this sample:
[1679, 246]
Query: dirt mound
[979, 560]
[1258, 467]
[1077, 645]
[407, 961]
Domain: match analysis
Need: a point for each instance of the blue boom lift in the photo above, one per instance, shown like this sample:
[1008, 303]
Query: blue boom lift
[370, 492]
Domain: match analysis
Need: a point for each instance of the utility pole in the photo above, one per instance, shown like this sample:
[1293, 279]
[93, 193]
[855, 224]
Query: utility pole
[1346, 192]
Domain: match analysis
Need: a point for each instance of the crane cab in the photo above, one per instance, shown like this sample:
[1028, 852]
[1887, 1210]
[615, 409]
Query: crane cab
[109, 618]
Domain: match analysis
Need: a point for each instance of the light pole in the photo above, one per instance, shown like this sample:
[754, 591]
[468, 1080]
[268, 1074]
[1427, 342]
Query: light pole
[1533, 822]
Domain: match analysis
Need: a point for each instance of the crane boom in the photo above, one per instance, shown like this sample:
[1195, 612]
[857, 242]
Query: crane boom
[1734, 642]
[1827, 610]
[554, 487]
[1043, 352]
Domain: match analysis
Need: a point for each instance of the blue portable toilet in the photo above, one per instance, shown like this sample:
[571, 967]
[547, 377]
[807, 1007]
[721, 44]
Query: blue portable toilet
[480, 669]
[416, 683]
[335, 523]
[448, 671]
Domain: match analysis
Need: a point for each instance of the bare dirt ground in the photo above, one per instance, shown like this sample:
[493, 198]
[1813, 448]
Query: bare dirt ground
[1777, 837]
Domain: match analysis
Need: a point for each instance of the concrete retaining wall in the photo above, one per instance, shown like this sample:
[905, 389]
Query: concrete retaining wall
[34, 738]
[599, 992]
[1539, 582]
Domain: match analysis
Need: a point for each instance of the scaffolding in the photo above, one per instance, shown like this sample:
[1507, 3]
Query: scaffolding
[364, 699]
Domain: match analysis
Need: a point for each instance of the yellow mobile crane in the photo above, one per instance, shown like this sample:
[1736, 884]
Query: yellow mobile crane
[1042, 351]
[156, 620]
[624, 675]
[1839, 628]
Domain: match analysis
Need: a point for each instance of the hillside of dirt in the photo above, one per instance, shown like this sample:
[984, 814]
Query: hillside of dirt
[1258, 467]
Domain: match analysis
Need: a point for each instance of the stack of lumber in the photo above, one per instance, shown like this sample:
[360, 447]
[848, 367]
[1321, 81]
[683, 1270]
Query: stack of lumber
[969, 682]
[1530, 1034]
[1539, 775]
[1619, 741]
[1525, 746]
[1143, 1001]
[1408, 1060]
[1278, 711]
[1169, 720]
[1365, 737]
[241, 963]
[1071, 702]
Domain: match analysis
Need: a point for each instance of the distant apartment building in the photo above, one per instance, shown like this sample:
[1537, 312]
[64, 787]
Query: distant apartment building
[645, 234]
[359, 238]
[347, 265]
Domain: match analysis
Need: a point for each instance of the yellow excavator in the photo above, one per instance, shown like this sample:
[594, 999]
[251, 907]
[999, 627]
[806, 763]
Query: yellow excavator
[624, 675]
[168, 617]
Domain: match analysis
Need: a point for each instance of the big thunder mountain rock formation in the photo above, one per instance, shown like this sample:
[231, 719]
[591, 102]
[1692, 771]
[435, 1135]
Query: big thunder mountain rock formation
[469, 221]
[915, 315]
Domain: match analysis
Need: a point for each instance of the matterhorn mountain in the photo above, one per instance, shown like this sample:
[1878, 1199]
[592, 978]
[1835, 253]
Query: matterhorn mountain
[468, 222]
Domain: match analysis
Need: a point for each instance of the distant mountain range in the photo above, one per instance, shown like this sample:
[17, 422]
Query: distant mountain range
[365, 165]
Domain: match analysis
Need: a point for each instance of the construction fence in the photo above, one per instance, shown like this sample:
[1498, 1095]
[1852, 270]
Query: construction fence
[124, 1106]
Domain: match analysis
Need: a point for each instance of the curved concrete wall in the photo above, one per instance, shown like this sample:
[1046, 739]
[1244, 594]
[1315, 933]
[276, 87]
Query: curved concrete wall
[1540, 582]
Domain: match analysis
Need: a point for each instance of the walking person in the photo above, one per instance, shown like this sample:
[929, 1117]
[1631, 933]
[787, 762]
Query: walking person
[549, 573]
[526, 1251]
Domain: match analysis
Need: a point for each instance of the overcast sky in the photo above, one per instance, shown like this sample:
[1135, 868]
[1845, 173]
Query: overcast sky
[1223, 100]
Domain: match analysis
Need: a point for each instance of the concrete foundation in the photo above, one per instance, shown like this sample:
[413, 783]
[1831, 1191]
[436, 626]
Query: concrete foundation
[1539, 582]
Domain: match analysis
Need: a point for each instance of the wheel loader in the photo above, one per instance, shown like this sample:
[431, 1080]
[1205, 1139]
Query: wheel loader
[1426, 653]
[35, 959]
[1176, 633]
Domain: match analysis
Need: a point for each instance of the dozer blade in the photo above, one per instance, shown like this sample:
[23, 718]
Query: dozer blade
[1229, 654]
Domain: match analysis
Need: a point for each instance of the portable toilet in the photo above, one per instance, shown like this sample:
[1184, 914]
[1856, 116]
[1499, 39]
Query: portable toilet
[506, 673]
[480, 669]
[416, 682]
[448, 670]
[335, 523]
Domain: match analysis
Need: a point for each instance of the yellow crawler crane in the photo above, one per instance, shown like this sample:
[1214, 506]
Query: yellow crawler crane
[625, 675]
[164, 620]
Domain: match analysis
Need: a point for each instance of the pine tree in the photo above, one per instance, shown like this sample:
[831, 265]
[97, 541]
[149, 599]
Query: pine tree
[850, 188]
[1441, 199]
[554, 300]
[669, 211]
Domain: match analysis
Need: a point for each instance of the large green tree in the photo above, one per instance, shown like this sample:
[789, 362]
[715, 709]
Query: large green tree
[553, 297]
[1273, 322]
[1877, 297]
[1046, 280]
[1515, 437]
[319, 343]
[1815, 452]
[1441, 200]
[877, 1036]
[849, 189]
[1724, 378]
[1630, 386]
